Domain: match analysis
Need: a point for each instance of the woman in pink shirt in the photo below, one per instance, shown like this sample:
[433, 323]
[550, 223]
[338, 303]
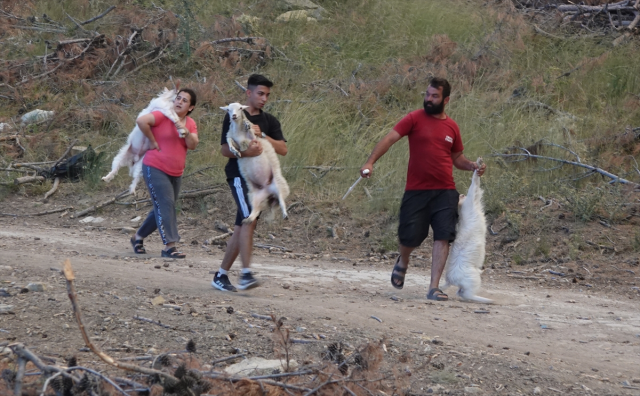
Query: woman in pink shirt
[162, 170]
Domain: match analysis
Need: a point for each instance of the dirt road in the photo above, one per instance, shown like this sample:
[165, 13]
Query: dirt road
[538, 336]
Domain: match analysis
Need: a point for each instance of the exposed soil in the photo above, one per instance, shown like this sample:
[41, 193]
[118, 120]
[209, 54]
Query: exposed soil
[573, 332]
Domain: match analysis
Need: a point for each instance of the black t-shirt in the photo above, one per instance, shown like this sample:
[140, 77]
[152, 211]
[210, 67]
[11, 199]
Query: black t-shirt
[267, 123]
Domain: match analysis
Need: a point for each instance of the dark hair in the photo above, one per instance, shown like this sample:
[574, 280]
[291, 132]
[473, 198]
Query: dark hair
[258, 79]
[192, 95]
[439, 82]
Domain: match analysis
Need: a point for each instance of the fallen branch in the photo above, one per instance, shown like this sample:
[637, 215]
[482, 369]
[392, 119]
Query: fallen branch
[71, 291]
[240, 85]
[66, 152]
[248, 40]
[216, 238]
[28, 179]
[66, 61]
[37, 214]
[49, 193]
[527, 154]
[95, 18]
[152, 321]
[100, 205]
[22, 363]
[226, 359]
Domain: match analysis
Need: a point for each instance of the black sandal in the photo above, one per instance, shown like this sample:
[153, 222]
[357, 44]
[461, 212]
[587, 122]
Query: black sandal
[173, 253]
[397, 280]
[437, 294]
[138, 247]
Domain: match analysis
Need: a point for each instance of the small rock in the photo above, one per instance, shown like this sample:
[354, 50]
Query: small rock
[159, 300]
[165, 265]
[4, 308]
[257, 366]
[435, 341]
[229, 310]
[435, 389]
[128, 230]
[136, 219]
[472, 390]
[286, 286]
[157, 266]
[438, 365]
[152, 351]
[36, 287]
[537, 390]
[298, 15]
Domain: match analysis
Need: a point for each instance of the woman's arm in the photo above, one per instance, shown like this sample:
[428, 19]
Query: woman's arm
[145, 123]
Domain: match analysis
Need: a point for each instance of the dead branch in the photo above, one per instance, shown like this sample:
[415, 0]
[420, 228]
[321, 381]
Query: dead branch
[28, 179]
[71, 291]
[66, 152]
[21, 351]
[22, 363]
[161, 55]
[240, 85]
[95, 18]
[248, 40]
[200, 193]
[39, 213]
[153, 321]
[45, 30]
[526, 155]
[66, 61]
[263, 317]
[100, 205]
[225, 359]
[49, 193]
[216, 238]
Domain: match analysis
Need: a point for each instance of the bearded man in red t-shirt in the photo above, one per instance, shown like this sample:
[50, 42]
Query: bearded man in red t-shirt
[430, 197]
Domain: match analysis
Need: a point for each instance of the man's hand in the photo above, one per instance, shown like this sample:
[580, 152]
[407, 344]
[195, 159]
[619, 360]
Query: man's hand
[254, 150]
[480, 169]
[366, 170]
[153, 145]
[256, 130]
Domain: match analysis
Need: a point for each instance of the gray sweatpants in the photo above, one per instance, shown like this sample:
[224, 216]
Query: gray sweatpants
[164, 190]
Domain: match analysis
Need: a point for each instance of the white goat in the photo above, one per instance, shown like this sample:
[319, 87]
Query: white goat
[262, 173]
[466, 257]
[132, 153]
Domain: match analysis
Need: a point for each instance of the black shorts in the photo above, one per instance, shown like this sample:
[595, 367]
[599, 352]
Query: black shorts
[424, 208]
[240, 193]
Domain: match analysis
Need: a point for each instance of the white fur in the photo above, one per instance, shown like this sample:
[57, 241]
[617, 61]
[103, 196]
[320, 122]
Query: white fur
[262, 173]
[466, 256]
[132, 153]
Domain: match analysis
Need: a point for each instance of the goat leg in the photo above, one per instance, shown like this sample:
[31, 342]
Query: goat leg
[233, 147]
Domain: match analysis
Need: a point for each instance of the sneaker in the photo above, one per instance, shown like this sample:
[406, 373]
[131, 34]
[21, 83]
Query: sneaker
[221, 282]
[247, 281]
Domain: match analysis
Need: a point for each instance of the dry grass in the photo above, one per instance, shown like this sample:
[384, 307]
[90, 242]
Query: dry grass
[341, 84]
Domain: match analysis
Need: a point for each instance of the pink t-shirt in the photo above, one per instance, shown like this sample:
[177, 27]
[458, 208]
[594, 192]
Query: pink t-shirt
[172, 156]
[431, 143]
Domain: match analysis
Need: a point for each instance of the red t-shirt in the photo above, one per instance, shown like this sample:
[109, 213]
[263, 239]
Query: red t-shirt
[431, 142]
[172, 156]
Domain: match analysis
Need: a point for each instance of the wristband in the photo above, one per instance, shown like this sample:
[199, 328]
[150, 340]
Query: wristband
[264, 135]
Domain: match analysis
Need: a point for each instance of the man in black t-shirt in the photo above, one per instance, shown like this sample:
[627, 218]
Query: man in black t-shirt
[267, 126]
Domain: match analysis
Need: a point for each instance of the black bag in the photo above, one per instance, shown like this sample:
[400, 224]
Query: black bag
[75, 167]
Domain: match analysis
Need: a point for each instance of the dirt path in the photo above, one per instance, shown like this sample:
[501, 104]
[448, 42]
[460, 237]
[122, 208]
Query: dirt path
[536, 335]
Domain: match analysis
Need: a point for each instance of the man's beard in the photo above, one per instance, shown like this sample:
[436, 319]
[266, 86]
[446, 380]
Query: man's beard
[433, 109]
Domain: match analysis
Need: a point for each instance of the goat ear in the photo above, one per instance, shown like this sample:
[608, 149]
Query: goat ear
[244, 107]
[226, 108]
